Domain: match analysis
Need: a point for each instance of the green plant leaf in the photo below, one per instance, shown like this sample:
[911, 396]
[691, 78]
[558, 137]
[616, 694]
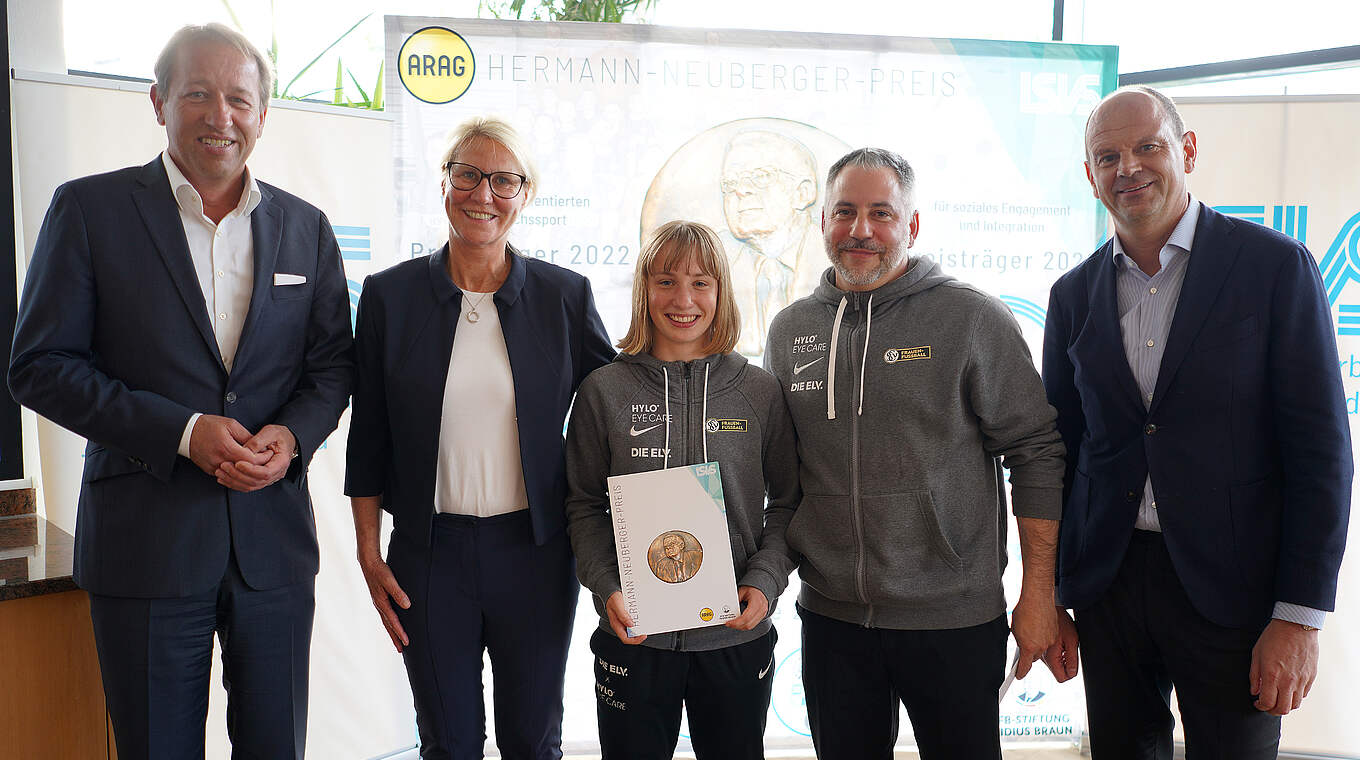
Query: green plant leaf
[274, 45]
[318, 57]
[357, 86]
[339, 83]
[235, 20]
[377, 104]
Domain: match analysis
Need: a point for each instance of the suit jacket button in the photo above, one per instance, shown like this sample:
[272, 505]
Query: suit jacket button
[1131, 496]
[1150, 429]
[231, 397]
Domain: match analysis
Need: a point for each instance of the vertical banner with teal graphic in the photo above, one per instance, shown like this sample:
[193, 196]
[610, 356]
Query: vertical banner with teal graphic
[1293, 164]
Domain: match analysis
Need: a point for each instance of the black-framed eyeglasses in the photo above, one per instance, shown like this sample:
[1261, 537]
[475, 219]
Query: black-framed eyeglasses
[467, 177]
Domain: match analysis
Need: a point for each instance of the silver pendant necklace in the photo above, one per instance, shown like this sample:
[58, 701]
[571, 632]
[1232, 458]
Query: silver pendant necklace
[472, 315]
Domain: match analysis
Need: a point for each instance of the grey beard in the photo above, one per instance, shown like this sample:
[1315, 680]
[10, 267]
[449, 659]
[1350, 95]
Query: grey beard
[886, 262]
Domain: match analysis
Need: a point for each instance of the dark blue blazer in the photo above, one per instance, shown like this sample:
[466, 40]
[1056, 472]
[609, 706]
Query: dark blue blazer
[114, 342]
[404, 337]
[1246, 438]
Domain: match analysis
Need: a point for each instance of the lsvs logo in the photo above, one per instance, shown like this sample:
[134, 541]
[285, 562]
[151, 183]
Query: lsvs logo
[1045, 92]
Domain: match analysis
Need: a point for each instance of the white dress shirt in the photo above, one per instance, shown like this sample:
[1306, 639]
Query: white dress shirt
[224, 257]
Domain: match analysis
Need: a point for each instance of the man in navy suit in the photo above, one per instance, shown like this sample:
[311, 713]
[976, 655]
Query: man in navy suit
[193, 324]
[1193, 366]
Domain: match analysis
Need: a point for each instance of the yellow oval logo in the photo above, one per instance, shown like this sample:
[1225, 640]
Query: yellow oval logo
[706, 614]
[435, 65]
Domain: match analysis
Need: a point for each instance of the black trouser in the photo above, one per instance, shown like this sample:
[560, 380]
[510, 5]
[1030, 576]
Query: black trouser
[1143, 637]
[948, 680]
[483, 585]
[155, 656]
[639, 692]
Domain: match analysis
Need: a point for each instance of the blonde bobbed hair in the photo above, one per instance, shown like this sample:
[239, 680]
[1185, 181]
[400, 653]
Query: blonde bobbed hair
[672, 246]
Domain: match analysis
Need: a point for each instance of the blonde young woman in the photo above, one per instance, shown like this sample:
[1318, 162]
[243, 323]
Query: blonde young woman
[468, 360]
[678, 357]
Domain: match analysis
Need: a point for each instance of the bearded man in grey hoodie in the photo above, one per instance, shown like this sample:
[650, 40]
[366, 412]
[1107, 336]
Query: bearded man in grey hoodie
[909, 391]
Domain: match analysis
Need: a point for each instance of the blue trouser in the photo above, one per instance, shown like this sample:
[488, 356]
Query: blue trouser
[484, 585]
[155, 656]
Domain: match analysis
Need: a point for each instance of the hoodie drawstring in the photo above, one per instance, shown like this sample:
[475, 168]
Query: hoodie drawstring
[864, 360]
[666, 399]
[831, 371]
[703, 421]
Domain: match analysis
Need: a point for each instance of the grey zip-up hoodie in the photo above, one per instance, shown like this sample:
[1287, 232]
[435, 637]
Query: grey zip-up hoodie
[907, 400]
[721, 409]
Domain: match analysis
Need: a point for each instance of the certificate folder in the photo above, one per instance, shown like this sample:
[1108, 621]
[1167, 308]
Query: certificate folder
[674, 550]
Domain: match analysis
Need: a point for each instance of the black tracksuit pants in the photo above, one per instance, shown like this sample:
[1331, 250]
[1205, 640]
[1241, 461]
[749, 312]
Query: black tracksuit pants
[639, 693]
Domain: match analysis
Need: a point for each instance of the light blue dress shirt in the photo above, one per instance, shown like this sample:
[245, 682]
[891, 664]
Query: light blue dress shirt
[1147, 304]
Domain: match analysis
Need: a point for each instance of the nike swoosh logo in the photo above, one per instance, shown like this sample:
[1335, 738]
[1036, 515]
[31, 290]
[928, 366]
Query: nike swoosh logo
[633, 431]
[798, 368]
[766, 670]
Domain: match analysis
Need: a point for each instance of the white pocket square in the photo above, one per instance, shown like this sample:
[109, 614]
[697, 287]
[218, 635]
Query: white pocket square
[281, 278]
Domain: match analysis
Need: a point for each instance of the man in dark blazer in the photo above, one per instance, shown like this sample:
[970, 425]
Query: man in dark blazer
[1194, 369]
[193, 325]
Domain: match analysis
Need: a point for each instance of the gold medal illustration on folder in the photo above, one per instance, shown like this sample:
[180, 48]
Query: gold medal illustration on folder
[675, 556]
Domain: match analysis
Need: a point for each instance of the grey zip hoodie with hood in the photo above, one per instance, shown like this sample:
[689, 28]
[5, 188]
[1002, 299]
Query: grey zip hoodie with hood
[907, 400]
[639, 414]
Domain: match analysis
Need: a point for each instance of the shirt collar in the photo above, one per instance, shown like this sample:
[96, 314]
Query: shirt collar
[1181, 241]
[188, 199]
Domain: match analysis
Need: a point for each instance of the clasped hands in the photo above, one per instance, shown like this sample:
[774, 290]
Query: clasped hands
[754, 608]
[240, 460]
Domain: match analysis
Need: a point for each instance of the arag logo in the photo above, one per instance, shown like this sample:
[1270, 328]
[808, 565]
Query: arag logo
[435, 65]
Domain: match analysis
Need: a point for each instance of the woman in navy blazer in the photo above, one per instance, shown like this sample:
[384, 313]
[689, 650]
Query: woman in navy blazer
[468, 360]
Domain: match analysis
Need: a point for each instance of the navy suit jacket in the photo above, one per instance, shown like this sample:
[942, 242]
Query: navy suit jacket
[114, 342]
[404, 338]
[1246, 437]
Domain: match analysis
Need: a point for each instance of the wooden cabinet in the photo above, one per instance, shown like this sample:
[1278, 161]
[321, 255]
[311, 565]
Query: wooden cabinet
[51, 698]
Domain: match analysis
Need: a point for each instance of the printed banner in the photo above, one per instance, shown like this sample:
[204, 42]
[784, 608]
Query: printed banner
[632, 126]
[1296, 169]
